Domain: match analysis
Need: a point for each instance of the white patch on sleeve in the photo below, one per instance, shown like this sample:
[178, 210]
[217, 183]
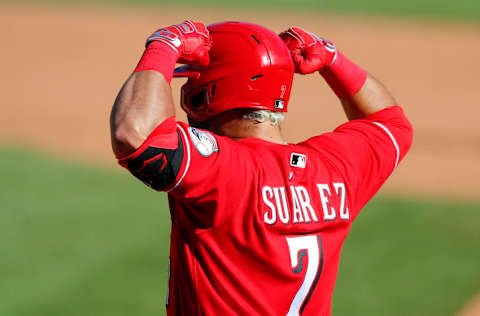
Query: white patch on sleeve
[204, 142]
[393, 141]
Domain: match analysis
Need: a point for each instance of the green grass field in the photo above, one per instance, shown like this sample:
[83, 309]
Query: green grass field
[78, 240]
[456, 9]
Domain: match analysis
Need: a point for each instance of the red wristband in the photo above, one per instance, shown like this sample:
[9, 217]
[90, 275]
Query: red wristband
[344, 77]
[158, 57]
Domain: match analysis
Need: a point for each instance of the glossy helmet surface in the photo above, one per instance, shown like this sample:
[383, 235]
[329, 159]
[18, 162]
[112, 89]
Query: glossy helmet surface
[250, 67]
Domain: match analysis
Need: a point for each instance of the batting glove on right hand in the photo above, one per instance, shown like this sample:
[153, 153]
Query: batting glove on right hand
[191, 40]
[310, 53]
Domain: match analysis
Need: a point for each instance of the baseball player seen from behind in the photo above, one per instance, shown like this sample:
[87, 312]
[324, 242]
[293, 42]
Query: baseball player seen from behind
[257, 223]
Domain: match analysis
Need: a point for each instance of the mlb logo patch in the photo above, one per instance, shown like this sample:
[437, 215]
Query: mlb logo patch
[279, 104]
[298, 160]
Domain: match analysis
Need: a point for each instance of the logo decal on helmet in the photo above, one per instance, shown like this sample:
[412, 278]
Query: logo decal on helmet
[204, 142]
[279, 104]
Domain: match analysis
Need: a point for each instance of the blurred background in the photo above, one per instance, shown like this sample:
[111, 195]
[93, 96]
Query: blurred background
[79, 236]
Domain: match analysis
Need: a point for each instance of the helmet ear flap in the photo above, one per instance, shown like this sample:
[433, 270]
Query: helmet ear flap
[196, 102]
[199, 99]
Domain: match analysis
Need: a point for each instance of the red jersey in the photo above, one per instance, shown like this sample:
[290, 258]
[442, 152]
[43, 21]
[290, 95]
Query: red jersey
[257, 227]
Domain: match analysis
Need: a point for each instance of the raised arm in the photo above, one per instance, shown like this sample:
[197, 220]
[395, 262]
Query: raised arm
[145, 100]
[359, 92]
[371, 98]
[366, 150]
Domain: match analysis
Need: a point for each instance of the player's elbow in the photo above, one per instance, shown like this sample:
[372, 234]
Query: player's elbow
[126, 138]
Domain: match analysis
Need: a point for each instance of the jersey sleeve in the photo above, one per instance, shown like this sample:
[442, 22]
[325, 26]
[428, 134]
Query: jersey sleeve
[158, 161]
[365, 152]
[213, 166]
[198, 168]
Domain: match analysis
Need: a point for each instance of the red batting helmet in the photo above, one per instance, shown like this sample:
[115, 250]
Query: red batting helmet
[250, 67]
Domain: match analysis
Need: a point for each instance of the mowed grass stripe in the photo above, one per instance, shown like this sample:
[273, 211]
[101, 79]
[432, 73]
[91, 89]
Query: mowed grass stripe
[77, 240]
[457, 9]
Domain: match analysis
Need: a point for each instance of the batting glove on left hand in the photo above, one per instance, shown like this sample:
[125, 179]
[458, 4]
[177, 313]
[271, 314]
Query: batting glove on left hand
[310, 53]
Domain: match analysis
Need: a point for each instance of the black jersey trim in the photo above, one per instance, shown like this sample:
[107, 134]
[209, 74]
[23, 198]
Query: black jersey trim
[158, 167]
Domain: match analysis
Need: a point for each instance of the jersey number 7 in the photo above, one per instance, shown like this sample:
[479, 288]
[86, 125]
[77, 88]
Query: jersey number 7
[299, 247]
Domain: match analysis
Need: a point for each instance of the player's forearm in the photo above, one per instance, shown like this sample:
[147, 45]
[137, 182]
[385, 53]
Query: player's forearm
[145, 100]
[371, 98]
[359, 92]
[142, 104]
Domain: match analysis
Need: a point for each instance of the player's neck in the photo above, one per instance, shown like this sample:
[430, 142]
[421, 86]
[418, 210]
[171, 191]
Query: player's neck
[238, 128]
[265, 131]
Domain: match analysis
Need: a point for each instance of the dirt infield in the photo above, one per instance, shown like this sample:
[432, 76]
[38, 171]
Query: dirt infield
[471, 309]
[62, 68]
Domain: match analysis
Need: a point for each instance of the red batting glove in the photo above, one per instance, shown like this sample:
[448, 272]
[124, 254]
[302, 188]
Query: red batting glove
[190, 40]
[310, 53]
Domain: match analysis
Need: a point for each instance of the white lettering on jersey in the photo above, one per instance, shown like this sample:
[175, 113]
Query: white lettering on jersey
[272, 218]
[329, 213]
[305, 204]
[301, 209]
[342, 192]
[297, 213]
[282, 208]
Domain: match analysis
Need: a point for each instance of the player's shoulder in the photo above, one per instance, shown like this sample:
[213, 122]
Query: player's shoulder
[206, 142]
